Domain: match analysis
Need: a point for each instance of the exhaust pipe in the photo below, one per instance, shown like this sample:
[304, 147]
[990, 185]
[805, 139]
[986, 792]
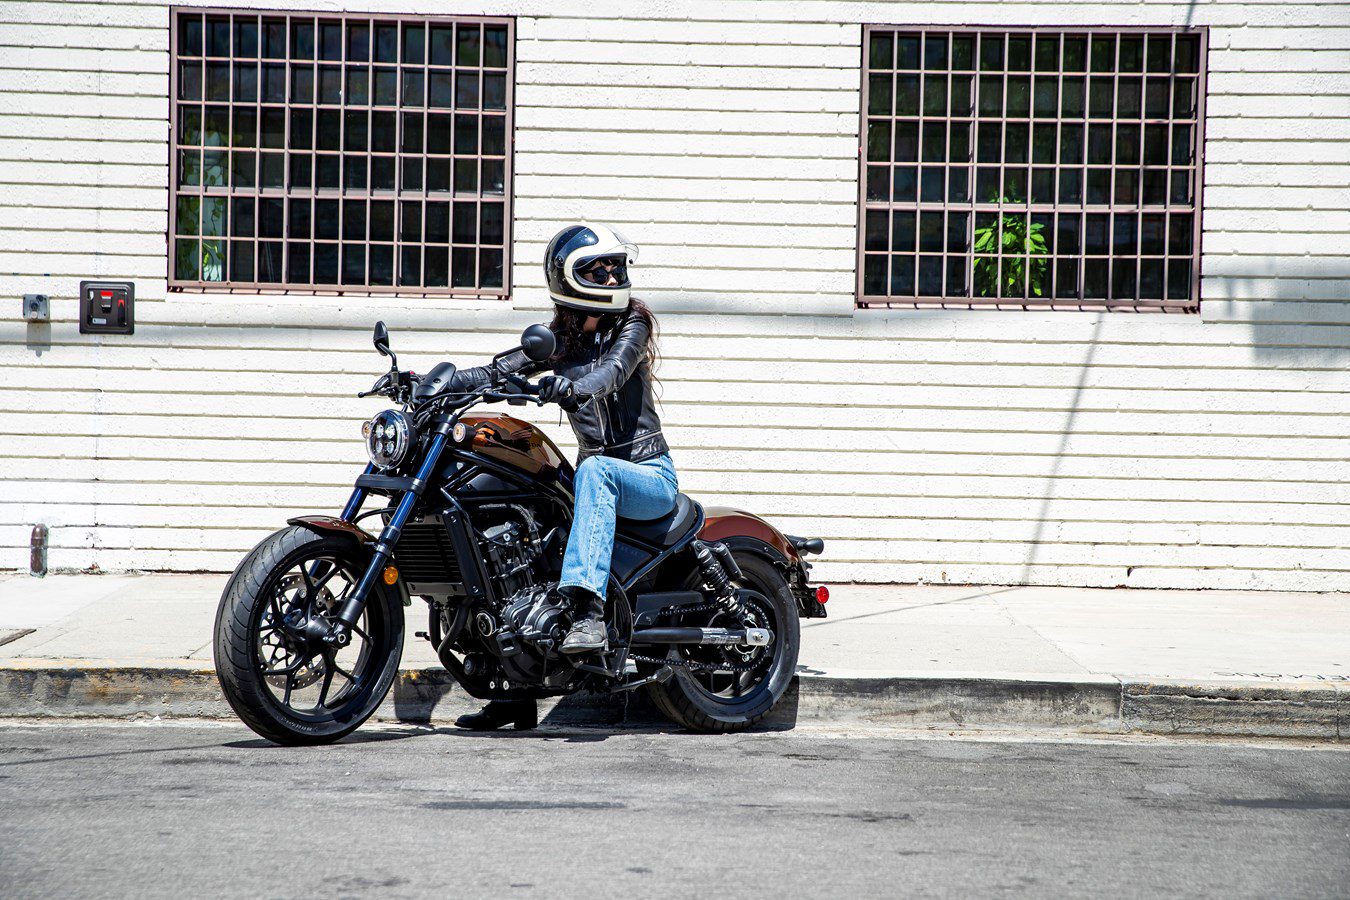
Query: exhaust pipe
[752, 637]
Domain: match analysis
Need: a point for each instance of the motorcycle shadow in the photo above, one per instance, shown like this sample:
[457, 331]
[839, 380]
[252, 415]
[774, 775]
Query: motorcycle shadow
[425, 707]
[586, 717]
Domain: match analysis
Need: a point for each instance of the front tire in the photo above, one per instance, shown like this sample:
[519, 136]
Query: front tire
[704, 700]
[268, 675]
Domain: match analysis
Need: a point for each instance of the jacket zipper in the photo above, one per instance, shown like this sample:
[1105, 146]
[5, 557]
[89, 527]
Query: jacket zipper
[603, 412]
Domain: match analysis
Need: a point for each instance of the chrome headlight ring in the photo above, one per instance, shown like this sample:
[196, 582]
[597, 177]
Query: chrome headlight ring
[389, 438]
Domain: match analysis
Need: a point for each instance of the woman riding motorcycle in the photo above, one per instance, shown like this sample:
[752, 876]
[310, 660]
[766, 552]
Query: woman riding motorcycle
[603, 379]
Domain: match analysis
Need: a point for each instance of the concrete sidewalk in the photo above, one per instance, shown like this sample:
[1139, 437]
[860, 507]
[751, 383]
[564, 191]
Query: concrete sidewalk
[1204, 662]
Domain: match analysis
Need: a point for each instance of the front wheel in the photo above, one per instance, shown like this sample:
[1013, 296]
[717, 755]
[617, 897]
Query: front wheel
[287, 688]
[721, 689]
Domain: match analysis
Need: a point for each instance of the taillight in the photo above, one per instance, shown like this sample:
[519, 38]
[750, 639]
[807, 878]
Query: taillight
[822, 594]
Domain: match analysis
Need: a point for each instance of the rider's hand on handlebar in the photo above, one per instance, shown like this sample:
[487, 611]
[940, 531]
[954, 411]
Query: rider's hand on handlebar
[555, 389]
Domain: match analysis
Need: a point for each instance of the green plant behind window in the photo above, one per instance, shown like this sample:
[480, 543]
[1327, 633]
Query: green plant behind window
[1024, 249]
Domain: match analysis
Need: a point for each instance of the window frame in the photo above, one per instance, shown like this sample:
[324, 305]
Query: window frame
[368, 194]
[970, 301]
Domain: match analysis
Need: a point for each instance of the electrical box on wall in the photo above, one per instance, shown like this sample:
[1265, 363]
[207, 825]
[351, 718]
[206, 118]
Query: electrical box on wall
[107, 307]
[36, 308]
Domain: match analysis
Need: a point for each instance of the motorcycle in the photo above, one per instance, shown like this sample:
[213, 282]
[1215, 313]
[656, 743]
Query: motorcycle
[702, 608]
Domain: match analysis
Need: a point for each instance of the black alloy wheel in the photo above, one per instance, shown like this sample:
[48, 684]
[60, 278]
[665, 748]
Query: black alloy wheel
[721, 689]
[285, 684]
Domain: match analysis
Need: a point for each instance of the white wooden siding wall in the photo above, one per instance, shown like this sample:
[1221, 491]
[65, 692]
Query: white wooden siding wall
[1057, 448]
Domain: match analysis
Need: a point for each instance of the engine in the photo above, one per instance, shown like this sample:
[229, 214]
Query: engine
[521, 626]
[513, 549]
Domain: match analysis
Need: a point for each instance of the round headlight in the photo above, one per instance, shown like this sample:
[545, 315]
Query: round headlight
[389, 438]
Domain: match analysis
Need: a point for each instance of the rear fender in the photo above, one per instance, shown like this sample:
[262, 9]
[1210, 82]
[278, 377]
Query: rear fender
[749, 533]
[725, 524]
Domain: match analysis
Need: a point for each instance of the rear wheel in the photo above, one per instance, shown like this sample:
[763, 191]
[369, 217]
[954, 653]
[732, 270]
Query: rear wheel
[721, 689]
[287, 688]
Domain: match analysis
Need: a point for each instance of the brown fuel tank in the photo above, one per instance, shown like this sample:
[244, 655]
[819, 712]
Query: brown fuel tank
[517, 443]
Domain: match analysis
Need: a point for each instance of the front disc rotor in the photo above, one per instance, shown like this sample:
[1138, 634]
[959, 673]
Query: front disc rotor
[279, 651]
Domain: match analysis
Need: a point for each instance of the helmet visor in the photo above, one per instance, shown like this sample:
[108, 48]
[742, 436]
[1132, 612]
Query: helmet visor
[609, 271]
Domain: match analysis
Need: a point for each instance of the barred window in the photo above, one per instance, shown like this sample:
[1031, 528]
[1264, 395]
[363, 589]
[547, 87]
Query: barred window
[1036, 167]
[338, 153]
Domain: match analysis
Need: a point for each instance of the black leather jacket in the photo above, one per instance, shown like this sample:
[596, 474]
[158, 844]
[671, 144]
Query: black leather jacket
[613, 413]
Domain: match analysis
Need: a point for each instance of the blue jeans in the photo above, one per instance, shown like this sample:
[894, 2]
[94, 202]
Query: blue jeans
[606, 488]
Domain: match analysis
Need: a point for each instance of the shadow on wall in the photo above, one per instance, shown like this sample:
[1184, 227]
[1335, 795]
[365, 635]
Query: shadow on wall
[1292, 315]
[1297, 310]
[1085, 367]
[38, 337]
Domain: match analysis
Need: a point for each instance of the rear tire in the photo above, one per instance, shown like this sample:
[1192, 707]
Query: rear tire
[687, 701]
[248, 640]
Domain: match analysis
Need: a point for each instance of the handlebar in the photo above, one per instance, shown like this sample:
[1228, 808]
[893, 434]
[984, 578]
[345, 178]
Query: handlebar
[398, 386]
[524, 390]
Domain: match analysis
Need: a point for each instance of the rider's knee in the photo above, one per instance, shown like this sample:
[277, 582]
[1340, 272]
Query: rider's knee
[596, 472]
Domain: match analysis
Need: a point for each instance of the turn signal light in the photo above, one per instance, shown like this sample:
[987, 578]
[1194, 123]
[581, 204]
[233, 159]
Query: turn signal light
[822, 594]
[390, 574]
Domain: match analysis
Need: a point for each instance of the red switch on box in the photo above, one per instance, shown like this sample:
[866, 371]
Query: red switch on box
[106, 307]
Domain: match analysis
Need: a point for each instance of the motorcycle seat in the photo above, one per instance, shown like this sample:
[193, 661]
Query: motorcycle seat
[668, 529]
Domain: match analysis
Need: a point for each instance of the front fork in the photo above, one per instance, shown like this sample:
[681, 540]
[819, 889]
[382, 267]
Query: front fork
[339, 633]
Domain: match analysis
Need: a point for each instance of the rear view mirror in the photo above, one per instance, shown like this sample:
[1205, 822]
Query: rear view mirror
[538, 342]
[381, 339]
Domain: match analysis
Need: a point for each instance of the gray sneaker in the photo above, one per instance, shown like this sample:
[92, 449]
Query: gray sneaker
[586, 635]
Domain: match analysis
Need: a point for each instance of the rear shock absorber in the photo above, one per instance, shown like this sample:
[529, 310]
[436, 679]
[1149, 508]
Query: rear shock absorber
[723, 554]
[718, 576]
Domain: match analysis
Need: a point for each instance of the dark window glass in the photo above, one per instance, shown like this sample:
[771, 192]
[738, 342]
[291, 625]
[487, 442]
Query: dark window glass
[1062, 170]
[304, 146]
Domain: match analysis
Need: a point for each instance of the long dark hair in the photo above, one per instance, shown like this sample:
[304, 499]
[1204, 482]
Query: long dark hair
[569, 324]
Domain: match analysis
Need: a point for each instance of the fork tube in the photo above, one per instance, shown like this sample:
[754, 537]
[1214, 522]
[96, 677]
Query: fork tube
[357, 498]
[351, 610]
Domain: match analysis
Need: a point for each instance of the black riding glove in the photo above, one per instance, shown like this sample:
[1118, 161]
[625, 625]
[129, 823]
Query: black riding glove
[556, 389]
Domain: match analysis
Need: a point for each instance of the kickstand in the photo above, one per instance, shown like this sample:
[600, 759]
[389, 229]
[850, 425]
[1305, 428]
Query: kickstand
[661, 675]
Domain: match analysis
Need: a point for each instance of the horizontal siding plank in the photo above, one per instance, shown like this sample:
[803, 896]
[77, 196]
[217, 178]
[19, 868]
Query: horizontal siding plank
[674, 366]
[185, 516]
[786, 460]
[690, 46]
[677, 187]
[1225, 455]
[559, 73]
[958, 337]
[711, 392]
[844, 484]
[272, 501]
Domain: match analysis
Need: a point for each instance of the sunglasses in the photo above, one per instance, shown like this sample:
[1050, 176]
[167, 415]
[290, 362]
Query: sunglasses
[599, 270]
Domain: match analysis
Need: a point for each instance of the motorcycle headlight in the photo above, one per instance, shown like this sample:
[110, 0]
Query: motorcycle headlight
[389, 438]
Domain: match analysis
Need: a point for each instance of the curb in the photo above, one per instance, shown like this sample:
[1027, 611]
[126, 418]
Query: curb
[1090, 705]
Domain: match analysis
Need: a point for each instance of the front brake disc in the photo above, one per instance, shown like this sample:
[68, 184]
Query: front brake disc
[291, 593]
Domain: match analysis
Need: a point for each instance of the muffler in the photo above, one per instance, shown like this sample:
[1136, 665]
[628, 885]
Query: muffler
[751, 637]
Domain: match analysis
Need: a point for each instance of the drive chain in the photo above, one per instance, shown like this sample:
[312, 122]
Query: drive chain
[692, 665]
[684, 610]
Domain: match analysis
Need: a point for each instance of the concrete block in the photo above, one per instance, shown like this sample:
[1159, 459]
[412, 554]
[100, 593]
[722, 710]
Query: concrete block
[1088, 703]
[1317, 710]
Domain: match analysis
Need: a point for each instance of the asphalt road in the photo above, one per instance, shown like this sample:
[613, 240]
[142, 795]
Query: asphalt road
[171, 810]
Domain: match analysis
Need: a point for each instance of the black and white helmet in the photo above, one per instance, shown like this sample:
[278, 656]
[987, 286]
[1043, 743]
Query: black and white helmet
[587, 268]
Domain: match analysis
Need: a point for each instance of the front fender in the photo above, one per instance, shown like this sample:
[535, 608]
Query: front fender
[331, 525]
